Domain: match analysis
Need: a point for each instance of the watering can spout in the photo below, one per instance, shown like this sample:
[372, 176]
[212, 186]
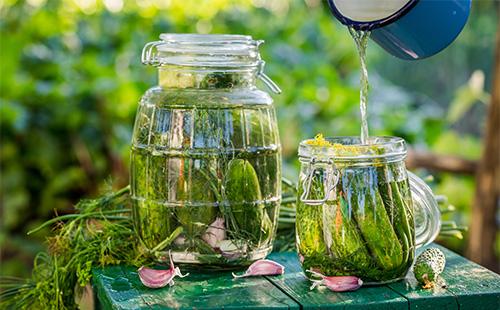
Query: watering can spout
[407, 29]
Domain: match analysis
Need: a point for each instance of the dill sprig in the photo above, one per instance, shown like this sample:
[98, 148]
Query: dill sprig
[100, 233]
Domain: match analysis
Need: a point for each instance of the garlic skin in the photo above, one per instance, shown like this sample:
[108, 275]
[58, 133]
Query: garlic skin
[263, 267]
[215, 233]
[337, 283]
[180, 241]
[154, 278]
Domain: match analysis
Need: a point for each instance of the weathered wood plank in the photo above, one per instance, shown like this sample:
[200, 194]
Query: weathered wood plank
[120, 288]
[114, 291]
[463, 285]
[296, 285]
[466, 286]
[474, 286]
[437, 298]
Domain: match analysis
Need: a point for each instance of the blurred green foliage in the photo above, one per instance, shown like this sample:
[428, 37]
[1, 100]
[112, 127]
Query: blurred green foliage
[71, 79]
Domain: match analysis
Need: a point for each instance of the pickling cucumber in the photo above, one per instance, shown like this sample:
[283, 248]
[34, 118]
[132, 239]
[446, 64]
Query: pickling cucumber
[242, 191]
[309, 223]
[398, 210]
[428, 266]
[344, 239]
[311, 244]
[360, 190]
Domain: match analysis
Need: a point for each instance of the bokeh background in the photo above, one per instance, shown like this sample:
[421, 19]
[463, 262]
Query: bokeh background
[71, 79]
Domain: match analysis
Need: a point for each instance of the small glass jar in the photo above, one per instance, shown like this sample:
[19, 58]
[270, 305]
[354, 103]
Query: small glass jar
[359, 212]
[206, 155]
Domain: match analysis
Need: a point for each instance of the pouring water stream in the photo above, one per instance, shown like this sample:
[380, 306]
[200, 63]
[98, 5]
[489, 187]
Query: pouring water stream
[361, 39]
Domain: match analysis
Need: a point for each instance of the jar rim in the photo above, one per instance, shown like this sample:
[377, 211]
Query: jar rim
[183, 38]
[350, 149]
[203, 50]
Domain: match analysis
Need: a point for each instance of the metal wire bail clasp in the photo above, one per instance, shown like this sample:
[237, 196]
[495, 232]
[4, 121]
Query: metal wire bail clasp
[330, 178]
[267, 80]
[148, 56]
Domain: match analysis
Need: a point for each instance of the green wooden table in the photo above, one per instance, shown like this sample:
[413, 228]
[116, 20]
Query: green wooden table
[465, 285]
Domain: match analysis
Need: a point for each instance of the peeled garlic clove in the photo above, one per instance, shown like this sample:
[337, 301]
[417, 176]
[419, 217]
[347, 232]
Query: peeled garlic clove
[154, 278]
[263, 267]
[337, 284]
[215, 233]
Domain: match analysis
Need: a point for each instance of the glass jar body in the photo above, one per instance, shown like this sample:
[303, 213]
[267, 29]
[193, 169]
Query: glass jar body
[206, 171]
[363, 225]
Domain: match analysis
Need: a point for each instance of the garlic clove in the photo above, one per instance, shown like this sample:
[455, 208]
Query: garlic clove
[342, 283]
[263, 267]
[154, 278]
[337, 283]
[215, 233]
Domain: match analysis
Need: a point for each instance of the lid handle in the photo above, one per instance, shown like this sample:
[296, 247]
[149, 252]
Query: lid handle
[148, 56]
[267, 80]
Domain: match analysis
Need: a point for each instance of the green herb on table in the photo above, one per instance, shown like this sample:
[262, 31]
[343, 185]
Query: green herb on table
[100, 233]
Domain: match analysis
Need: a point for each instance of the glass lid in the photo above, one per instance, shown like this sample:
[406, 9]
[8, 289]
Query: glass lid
[207, 50]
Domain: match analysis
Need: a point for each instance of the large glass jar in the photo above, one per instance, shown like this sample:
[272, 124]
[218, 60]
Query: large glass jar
[206, 155]
[358, 211]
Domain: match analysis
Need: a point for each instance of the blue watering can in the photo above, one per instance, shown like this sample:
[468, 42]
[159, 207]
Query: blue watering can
[407, 29]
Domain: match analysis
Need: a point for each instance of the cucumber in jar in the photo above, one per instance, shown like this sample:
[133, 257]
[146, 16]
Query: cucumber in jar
[392, 187]
[344, 240]
[242, 191]
[327, 237]
[360, 190]
[149, 196]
